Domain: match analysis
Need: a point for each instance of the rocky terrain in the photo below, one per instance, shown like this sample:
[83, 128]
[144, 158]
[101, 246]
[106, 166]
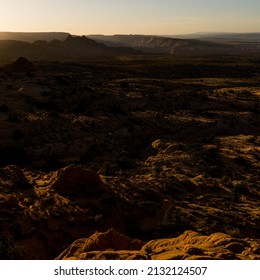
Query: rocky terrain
[188, 246]
[164, 150]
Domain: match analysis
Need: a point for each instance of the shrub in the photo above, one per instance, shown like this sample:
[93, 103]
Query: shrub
[174, 221]
[237, 191]
[10, 250]
[235, 232]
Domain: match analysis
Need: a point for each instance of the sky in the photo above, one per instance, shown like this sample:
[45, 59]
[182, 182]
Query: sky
[154, 17]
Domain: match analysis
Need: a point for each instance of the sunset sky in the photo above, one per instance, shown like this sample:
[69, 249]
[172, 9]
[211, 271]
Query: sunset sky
[161, 17]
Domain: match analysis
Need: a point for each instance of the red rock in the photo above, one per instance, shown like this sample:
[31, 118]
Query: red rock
[188, 246]
[75, 180]
[107, 241]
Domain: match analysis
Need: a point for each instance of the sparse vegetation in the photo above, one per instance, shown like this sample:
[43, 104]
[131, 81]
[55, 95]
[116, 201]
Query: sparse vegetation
[174, 141]
[10, 250]
[233, 232]
[174, 221]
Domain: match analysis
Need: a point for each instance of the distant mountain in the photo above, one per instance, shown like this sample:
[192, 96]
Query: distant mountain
[167, 45]
[221, 36]
[157, 44]
[30, 37]
[71, 47]
[10, 49]
[77, 47]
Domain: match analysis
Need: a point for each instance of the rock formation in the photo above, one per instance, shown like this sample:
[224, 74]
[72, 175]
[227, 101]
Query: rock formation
[189, 246]
[77, 180]
[22, 64]
[103, 244]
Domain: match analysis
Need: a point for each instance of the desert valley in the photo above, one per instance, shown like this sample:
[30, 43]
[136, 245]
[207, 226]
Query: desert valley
[129, 147]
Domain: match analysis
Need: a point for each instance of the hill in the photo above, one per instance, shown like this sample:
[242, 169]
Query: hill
[222, 36]
[71, 47]
[31, 37]
[21, 65]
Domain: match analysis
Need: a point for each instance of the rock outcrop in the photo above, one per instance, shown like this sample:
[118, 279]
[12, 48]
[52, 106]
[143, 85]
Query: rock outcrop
[192, 245]
[105, 245]
[188, 246]
[75, 180]
[22, 64]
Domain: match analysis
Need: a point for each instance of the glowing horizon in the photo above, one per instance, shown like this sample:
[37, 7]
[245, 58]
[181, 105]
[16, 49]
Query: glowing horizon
[164, 17]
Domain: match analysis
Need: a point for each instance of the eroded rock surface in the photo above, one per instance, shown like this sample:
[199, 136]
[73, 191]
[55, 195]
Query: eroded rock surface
[75, 180]
[189, 246]
[103, 244]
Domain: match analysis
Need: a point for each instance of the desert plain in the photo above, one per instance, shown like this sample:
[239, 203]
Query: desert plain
[139, 156]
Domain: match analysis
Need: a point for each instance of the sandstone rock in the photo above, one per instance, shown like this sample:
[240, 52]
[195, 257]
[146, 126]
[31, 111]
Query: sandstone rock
[111, 255]
[109, 241]
[236, 247]
[192, 245]
[188, 246]
[76, 180]
[195, 251]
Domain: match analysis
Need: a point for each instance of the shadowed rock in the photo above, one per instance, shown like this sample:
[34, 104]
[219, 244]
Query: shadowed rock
[75, 180]
[12, 179]
[22, 64]
[12, 155]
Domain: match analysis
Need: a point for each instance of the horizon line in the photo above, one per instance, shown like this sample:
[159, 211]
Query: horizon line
[144, 34]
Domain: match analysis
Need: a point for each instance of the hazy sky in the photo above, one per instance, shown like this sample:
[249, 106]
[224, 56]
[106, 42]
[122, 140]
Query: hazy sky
[130, 16]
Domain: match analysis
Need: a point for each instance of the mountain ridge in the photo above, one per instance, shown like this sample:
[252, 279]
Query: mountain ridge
[30, 37]
[64, 45]
[220, 36]
[71, 47]
[168, 45]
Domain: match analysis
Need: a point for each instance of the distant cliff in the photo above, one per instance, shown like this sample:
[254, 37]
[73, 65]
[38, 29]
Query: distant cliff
[166, 45]
[30, 37]
[41, 46]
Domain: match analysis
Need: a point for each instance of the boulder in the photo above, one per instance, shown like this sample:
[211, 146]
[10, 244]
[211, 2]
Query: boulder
[77, 180]
[109, 241]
